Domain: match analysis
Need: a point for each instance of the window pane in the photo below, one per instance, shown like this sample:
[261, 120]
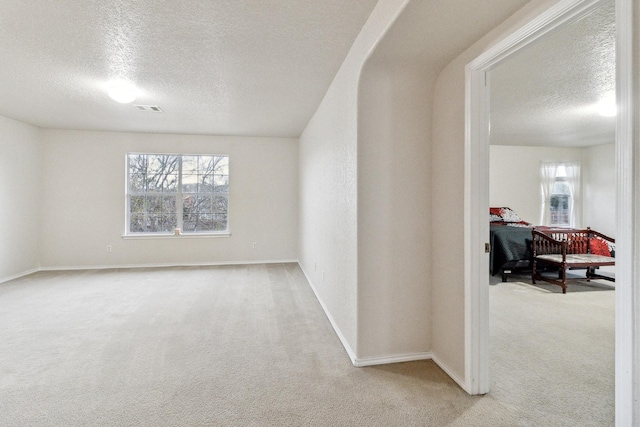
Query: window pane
[167, 222]
[222, 183]
[138, 164]
[136, 204]
[162, 173]
[203, 204]
[169, 204]
[136, 223]
[189, 203]
[189, 183]
[206, 184]
[189, 165]
[206, 222]
[559, 209]
[220, 205]
[190, 222]
[137, 183]
[207, 164]
[219, 222]
[560, 187]
[222, 165]
[154, 204]
[153, 223]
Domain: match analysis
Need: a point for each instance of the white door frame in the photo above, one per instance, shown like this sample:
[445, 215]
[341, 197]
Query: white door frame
[476, 231]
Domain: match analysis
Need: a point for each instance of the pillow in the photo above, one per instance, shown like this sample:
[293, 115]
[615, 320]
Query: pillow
[599, 247]
[503, 215]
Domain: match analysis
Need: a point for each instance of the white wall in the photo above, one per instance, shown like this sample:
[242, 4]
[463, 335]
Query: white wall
[328, 185]
[83, 207]
[599, 189]
[19, 198]
[394, 208]
[514, 176]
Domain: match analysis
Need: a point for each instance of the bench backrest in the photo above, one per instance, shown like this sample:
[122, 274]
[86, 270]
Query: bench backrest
[568, 240]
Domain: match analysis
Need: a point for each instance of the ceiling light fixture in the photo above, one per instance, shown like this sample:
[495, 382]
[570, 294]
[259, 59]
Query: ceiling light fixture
[607, 106]
[122, 91]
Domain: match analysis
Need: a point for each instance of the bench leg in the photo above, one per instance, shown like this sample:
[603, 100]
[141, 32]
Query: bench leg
[564, 279]
[533, 272]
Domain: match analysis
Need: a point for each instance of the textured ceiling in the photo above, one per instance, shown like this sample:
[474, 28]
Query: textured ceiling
[225, 67]
[430, 34]
[546, 95]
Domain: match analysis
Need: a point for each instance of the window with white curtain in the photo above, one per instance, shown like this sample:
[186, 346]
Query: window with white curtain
[560, 185]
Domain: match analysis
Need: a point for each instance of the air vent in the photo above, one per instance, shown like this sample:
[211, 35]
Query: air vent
[149, 108]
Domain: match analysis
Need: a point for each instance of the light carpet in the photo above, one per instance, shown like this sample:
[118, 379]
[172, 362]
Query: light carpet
[250, 346]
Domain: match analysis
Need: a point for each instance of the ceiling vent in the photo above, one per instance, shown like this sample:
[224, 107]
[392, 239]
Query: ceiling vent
[149, 108]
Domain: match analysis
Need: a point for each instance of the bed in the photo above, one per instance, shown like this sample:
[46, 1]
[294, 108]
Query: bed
[510, 240]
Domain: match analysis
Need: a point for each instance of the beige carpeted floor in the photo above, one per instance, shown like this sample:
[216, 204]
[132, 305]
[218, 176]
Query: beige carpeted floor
[552, 354]
[250, 346]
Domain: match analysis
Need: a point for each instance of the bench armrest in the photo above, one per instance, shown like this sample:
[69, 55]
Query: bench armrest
[544, 244]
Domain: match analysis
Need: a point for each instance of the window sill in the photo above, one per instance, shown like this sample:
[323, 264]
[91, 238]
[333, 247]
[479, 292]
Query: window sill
[152, 236]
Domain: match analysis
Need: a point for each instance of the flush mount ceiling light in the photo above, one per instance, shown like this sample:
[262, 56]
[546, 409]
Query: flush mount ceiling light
[607, 106]
[122, 91]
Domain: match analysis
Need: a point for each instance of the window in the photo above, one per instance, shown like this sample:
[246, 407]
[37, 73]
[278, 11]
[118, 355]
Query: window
[560, 193]
[560, 203]
[174, 194]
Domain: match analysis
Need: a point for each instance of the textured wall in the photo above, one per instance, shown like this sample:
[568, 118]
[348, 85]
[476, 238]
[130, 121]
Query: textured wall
[84, 201]
[20, 198]
[328, 185]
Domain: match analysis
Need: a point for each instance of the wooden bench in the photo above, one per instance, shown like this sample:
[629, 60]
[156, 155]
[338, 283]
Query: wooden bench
[566, 248]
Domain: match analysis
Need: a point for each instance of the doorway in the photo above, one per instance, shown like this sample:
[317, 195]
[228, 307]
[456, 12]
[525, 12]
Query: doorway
[476, 199]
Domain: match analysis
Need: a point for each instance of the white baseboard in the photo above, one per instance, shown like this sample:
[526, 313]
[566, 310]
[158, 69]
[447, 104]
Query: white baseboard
[168, 265]
[453, 375]
[333, 323]
[398, 358]
[411, 357]
[19, 275]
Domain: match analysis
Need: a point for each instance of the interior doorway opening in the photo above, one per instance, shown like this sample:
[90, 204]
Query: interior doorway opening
[477, 380]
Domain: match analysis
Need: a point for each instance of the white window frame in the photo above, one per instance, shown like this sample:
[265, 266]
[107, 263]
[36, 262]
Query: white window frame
[178, 231]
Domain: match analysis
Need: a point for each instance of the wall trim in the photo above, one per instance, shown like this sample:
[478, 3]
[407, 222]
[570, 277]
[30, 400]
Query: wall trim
[397, 358]
[19, 275]
[449, 371]
[167, 265]
[128, 266]
[334, 325]
[627, 376]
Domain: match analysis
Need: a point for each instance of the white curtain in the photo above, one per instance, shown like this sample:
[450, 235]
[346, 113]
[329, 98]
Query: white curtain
[573, 179]
[548, 173]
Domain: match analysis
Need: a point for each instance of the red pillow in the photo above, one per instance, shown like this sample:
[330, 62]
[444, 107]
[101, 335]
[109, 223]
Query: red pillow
[599, 247]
